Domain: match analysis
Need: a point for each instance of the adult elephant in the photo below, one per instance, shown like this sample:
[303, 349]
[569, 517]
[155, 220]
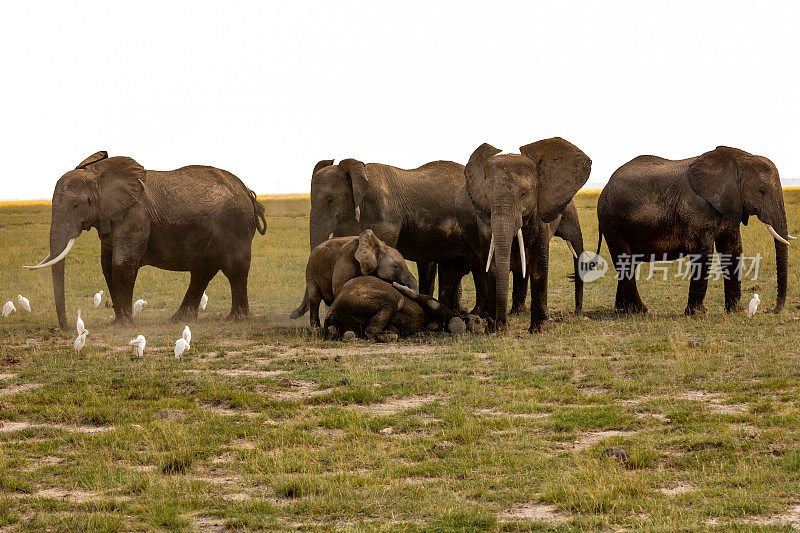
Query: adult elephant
[197, 218]
[659, 209]
[516, 196]
[410, 210]
[566, 226]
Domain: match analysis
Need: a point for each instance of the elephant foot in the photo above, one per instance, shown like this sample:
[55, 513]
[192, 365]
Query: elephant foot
[122, 321]
[183, 314]
[695, 310]
[385, 336]
[516, 309]
[538, 327]
[633, 308]
[239, 314]
[735, 307]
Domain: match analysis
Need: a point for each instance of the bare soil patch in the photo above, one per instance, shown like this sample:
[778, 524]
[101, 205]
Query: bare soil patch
[534, 511]
[239, 372]
[399, 404]
[678, 488]
[587, 440]
[493, 413]
[16, 389]
[8, 427]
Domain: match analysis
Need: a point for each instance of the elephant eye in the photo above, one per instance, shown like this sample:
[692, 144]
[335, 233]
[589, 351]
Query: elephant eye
[75, 205]
[89, 200]
[761, 192]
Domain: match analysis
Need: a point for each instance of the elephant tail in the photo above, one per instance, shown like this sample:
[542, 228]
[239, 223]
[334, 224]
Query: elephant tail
[303, 309]
[599, 241]
[258, 209]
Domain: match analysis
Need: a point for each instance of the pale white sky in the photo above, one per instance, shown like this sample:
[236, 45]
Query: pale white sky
[265, 90]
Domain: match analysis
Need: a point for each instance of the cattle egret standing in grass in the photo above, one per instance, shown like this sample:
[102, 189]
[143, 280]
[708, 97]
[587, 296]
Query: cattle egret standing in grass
[753, 307]
[98, 298]
[204, 301]
[8, 308]
[138, 345]
[187, 335]
[138, 305]
[79, 323]
[180, 346]
[24, 303]
[80, 341]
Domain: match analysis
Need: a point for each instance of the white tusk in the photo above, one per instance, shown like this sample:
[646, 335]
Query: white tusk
[330, 235]
[792, 237]
[521, 250]
[571, 249]
[358, 213]
[775, 234]
[491, 253]
[55, 260]
[42, 261]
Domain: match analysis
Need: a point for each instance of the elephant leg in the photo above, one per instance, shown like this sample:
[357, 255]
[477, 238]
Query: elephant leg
[106, 262]
[480, 280]
[539, 264]
[450, 274]
[578, 287]
[379, 321]
[730, 248]
[699, 283]
[427, 277]
[124, 278]
[519, 293]
[627, 299]
[314, 299]
[198, 283]
[237, 274]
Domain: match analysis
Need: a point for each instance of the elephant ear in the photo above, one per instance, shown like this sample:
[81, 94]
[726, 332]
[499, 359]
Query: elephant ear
[121, 184]
[475, 172]
[356, 172]
[368, 250]
[322, 164]
[714, 177]
[561, 170]
[94, 158]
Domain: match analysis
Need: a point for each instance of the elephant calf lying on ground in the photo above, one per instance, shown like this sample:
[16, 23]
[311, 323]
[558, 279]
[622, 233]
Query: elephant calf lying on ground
[336, 261]
[383, 311]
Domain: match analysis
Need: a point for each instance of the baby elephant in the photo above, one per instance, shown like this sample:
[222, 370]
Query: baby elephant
[336, 261]
[382, 311]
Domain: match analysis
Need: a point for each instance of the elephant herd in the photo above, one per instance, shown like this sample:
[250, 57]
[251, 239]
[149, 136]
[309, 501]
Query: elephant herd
[492, 218]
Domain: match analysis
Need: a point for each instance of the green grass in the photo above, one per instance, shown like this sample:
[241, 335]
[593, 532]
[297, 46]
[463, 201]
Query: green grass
[262, 425]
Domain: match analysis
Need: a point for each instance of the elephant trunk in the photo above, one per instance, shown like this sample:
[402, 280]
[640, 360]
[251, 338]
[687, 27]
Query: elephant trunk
[781, 261]
[577, 246]
[410, 281]
[59, 241]
[319, 228]
[503, 232]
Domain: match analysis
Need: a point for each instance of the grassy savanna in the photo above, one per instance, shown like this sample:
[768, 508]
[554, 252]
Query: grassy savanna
[262, 425]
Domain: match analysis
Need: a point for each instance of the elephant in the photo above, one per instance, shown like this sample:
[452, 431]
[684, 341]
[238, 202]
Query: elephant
[340, 259]
[517, 196]
[566, 226]
[410, 210]
[199, 219]
[660, 209]
[381, 311]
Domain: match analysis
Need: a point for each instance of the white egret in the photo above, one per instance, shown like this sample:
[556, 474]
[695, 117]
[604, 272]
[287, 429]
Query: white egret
[79, 324]
[138, 305]
[204, 301]
[24, 303]
[751, 309]
[187, 335]
[8, 308]
[180, 346]
[80, 341]
[138, 345]
[98, 297]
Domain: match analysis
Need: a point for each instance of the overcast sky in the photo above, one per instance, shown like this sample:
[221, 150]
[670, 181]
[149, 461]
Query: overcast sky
[266, 89]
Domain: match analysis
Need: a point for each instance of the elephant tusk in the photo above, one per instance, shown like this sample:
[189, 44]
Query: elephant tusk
[776, 236]
[42, 261]
[571, 249]
[330, 235]
[358, 213]
[792, 237]
[491, 253]
[521, 250]
[56, 259]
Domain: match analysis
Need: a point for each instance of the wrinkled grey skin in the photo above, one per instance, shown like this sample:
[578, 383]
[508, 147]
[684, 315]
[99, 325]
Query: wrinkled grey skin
[377, 309]
[411, 210]
[567, 227]
[523, 191]
[197, 218]
[655, 206]
[340, 259]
